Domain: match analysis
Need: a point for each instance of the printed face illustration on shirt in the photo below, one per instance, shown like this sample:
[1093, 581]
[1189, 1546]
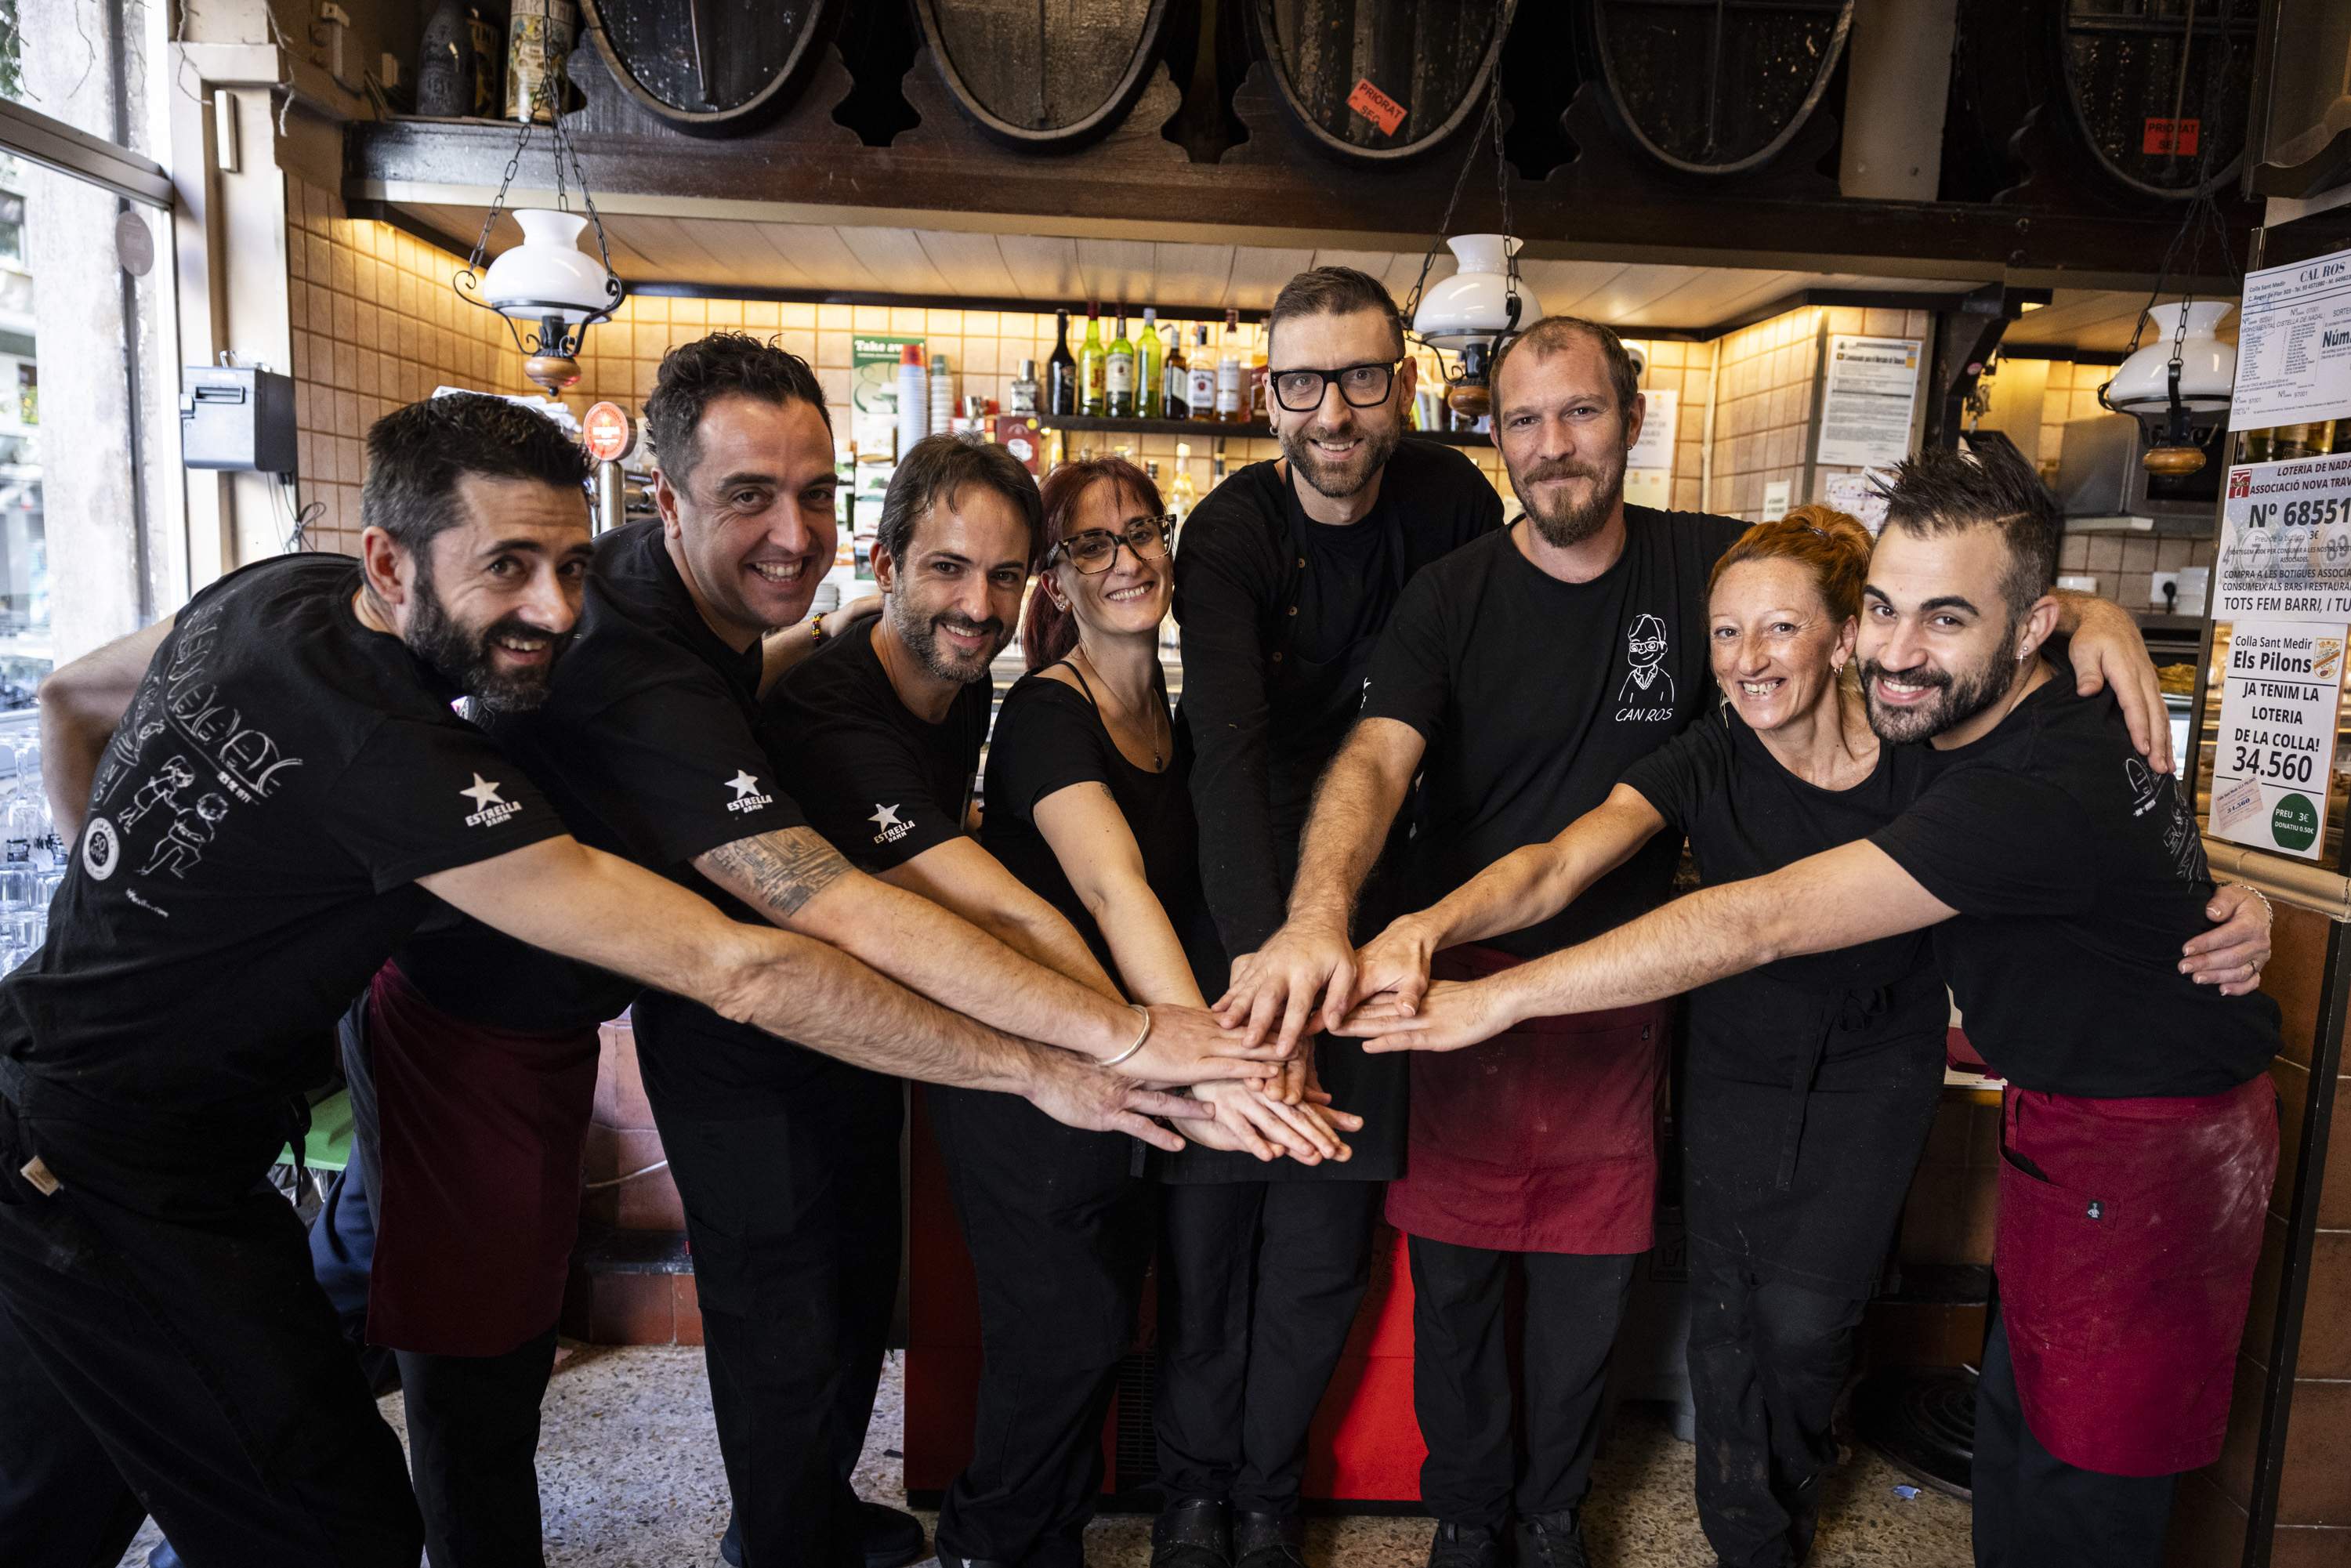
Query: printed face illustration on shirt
[1648, 689]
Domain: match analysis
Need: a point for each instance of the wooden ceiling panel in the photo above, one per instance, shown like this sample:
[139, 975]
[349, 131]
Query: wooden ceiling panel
[1118, 271]
[973, 265]
[1044, 264]
[895, 258]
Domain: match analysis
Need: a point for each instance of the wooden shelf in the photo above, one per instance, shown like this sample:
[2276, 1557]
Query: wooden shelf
[1215, 430]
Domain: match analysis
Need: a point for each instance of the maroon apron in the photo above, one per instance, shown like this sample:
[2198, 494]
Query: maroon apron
[1542, 1139]
[2125, 1264]
[483, 1132]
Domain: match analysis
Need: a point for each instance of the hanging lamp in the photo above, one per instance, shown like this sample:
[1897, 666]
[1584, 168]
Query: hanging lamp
[546, 289]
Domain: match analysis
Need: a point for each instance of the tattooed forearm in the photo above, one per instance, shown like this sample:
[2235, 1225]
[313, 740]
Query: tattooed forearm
[776, 872]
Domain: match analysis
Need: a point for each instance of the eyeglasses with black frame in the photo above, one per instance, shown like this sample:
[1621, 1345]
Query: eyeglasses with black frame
[1092, 551]
[1364, 386]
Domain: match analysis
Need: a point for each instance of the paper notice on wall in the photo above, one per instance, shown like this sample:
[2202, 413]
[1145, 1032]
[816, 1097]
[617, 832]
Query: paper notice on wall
[2274, 748]
[1869, 400]
[2294, 344]
[2285, 542]
[1660, 417]
[1861, 495]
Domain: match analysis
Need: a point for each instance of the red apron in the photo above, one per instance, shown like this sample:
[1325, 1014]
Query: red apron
[483, 1133]
[2125, 1274]
[1542, 1139]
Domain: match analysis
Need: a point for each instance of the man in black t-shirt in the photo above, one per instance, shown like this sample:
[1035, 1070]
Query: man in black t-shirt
[154, 1052]
[785, 1161]
[2060, 876]
[1285, 576]
[1520, 678]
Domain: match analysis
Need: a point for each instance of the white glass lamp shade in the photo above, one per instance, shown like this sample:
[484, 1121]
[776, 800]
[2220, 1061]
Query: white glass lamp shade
[2208, 367]
[549, 276]
[1470, 306]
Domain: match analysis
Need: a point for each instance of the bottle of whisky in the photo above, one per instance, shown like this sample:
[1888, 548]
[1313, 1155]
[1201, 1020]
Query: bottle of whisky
[1061, 372]
[1232, 407]
[1175, 398]
[1200, 379]
[1118, 373]
[1150, 369]
[1090, 396]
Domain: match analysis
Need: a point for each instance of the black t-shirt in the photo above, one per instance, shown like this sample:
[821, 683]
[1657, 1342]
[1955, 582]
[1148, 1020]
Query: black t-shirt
[1050, 738]
[1535, 695]
[2078, 875]
[258, 822]
[648, 745]
[1279, 613]
[878, 780]
[1745, 816]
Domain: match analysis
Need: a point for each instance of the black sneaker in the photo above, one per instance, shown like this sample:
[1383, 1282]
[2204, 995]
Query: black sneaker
[1269, 1540]
[1553, 1541]
[891, 1539]
[1193, 1532]
[1465, 1546]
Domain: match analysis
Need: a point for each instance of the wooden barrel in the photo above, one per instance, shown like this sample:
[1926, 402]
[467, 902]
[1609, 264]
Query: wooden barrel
[1709, 87]
[1380, 81]
[708, 67]
[1047, 73]
[2146, 92]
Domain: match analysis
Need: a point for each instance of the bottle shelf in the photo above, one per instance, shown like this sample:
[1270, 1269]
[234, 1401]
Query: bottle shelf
[1216, 430]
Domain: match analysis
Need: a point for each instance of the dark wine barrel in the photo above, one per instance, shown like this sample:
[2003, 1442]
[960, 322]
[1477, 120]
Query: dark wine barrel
[1046, 73]
[714, 67]
[1709, 87]
[1382, 79]
[2147, 90]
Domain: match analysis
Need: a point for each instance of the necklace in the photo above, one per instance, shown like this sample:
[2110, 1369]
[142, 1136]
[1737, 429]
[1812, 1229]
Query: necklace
[1158, 756]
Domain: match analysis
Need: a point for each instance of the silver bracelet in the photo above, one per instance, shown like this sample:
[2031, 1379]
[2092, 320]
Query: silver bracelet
[1139, 1039]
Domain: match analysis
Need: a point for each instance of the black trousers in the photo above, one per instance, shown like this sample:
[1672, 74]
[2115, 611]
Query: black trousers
[2032, 1509]
[1258, 1284]
[1767, 1359]
[175, 1316]
[792, 1211]
[1059, 1232]
[1476, 1473]
[473, 1447]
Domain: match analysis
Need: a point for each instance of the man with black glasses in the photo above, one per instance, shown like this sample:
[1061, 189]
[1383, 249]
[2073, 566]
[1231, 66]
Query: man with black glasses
[1286, 578]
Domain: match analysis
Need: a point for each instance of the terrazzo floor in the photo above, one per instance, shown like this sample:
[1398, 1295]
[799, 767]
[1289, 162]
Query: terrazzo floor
[629, 1478]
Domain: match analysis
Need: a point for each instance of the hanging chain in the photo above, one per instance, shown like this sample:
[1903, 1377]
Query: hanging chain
[1493, 117]
[2202, 219]
[569, 170]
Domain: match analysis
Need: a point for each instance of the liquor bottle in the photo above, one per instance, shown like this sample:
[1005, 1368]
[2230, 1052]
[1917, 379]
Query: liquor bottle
[1061, 372]
[1150, 369]
[1184, 495]
[1175, 396]
[1118, 373]
[1200, 379]
[1231, 408]
[1258, 390]
[1090, 366]
[1024, 389]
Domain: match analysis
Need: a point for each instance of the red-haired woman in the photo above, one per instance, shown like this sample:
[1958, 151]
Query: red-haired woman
[1087, 805]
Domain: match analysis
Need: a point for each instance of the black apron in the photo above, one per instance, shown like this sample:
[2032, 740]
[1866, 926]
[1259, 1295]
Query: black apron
[1311, 705]
[1803, 1114]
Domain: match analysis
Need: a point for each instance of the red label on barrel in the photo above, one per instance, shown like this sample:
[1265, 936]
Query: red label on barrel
[604, 431]
[2178, 136]
[1376, 107]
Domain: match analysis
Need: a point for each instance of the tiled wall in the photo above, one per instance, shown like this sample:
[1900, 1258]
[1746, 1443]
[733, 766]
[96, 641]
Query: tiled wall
[984, 349]
[376, 325]
[2124, 564]
[1767, 377]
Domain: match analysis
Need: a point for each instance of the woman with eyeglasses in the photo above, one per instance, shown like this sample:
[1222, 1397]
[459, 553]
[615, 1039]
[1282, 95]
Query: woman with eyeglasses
[1087, 806]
